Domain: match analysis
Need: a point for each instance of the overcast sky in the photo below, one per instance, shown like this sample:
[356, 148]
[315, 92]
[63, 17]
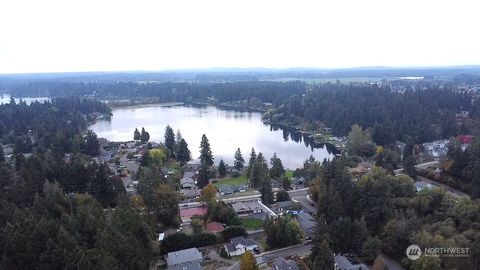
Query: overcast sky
[99, 35]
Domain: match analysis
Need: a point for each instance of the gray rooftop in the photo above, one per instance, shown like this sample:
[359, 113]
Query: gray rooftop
[307, 222]
[284, 204]
[240, 207]
[281, 264]
[183, 256]
[189, 174]
[187, 180]
[193, 266]
[344, 264]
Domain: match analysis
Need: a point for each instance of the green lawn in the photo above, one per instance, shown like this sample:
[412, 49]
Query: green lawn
[251, 224]
[242, 179]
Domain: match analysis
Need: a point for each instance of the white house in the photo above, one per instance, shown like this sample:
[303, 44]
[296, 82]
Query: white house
[239, 245]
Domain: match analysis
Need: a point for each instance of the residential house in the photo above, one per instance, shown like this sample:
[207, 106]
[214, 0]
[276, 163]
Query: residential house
[240, 208]
[191, 193]
[254, 206]
[281, 264]
[307, 224]
[192, 166]
[361, 169]
[239, 245]
[343, 263]
[240, 188]
[281, 207]
[186, 214]
[420, 185]
[465, 139]
[187, 183]
[436, 148]
[215, 227]
[187, 259]
[189, 174]
[225, 190]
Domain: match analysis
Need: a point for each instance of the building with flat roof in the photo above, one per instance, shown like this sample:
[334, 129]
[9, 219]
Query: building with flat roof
[187, 259]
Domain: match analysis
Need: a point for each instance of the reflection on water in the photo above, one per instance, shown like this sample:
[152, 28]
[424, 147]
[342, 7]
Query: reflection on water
[226, 130]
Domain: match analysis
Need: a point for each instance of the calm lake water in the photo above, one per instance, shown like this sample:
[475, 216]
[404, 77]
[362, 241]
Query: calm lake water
[4, 98]
[226, 130]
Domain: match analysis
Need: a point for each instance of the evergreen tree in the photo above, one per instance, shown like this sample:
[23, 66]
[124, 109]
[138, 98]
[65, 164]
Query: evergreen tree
[144, 136]
[282, 195]
[222, 169]
[136, 135]
[183, 154]
[277, 169]
[203, 176]
[92, 146]
[323, 258]
[408, 161]
[259, 171]
[371, 249]
[206, 157]
[286, 183]
[253, 156]
[169, 138]
[178, 136]
[322, 255]
[238, 162]
[145, 159]
[267, 195]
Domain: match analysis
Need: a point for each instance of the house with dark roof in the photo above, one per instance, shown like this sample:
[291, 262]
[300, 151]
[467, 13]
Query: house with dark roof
[343, 263]
[224, 190]
[187, 259]
[281, 207]
[187, 183]
[307, 224]
[191, 193]
[239, 245]
[281, 264]
[241, 208]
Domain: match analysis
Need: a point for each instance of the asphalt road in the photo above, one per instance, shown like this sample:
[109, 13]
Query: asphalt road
[284, 252]
[302, 192]
[455, 193]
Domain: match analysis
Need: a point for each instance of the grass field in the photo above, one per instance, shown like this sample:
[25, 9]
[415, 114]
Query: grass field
[242, 179]
[251, 224]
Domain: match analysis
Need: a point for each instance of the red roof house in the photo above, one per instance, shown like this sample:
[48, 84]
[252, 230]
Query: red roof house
[466, 139]
[215, 227]
[187, 213]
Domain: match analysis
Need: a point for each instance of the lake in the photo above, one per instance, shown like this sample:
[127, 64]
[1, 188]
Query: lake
[5, 98]
[226, 130]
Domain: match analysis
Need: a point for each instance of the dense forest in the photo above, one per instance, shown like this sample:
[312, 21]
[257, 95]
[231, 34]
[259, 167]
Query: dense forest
[56, 125]
[54, 209]
[383, 213]
[266, 91]
[420, 116]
